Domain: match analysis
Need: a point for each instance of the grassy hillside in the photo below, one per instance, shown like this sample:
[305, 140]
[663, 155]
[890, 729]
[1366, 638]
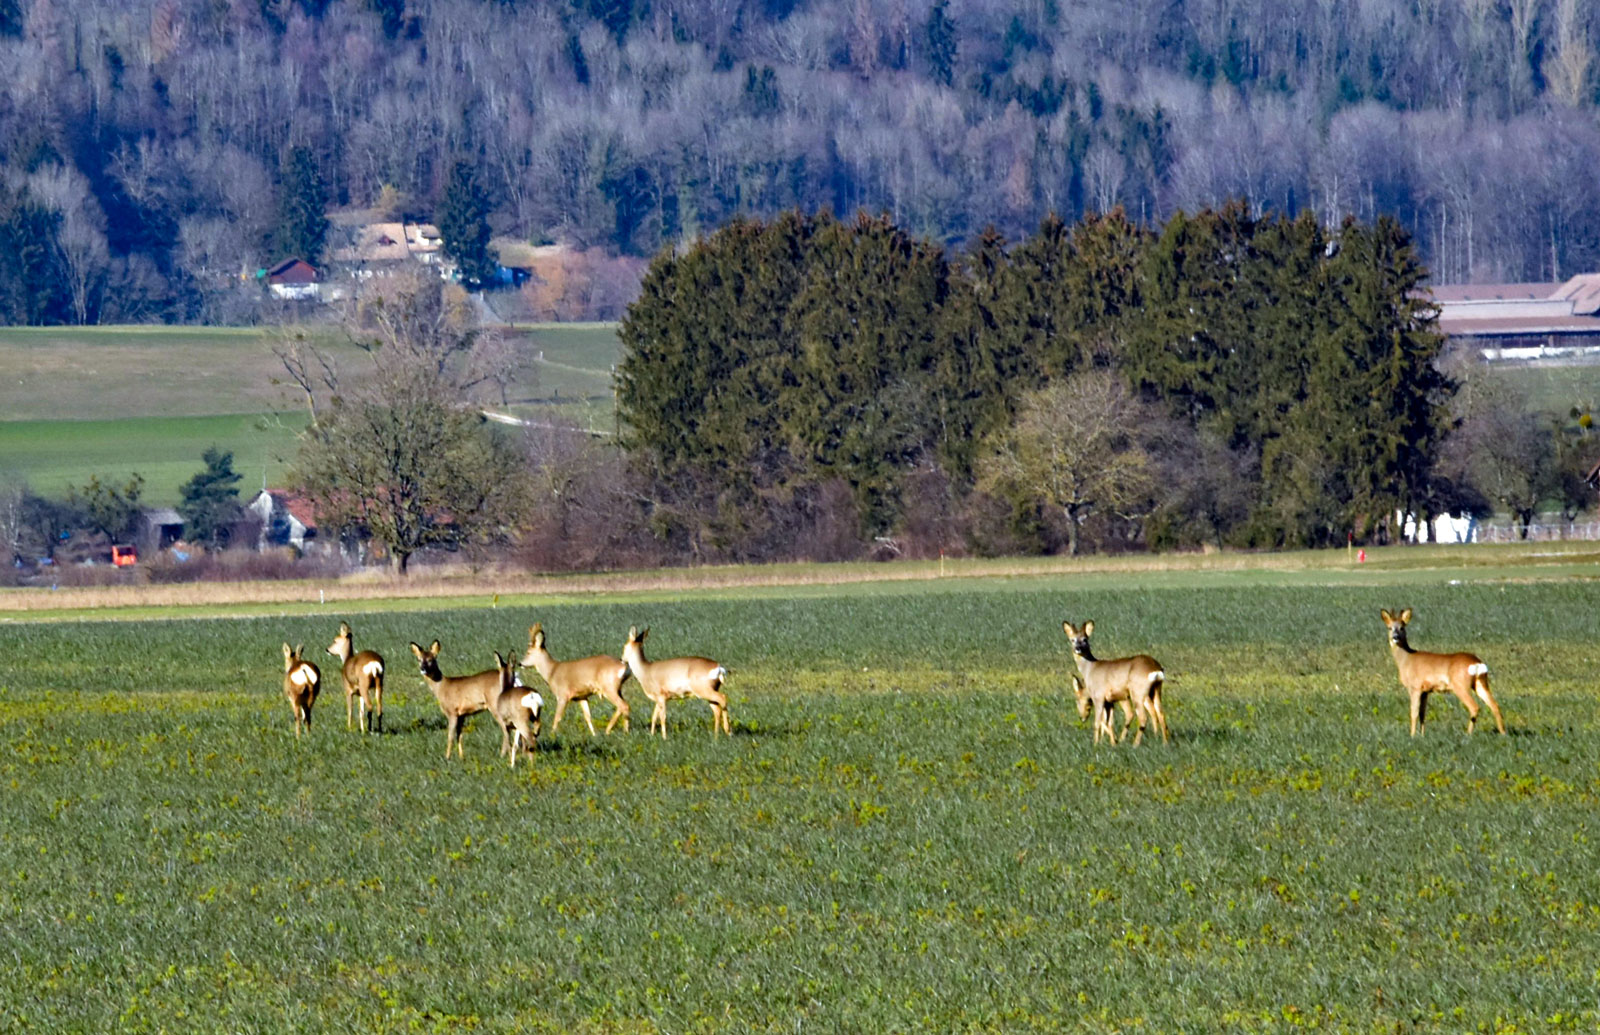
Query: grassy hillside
[114, 400]
[910, 830]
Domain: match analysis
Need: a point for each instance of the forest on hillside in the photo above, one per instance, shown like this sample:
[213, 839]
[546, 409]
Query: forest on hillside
[145, 144]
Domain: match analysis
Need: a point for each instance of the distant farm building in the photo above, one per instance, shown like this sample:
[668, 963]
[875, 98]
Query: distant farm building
[378, 249]
[293, 278]
[1524, 321]
[287, 519]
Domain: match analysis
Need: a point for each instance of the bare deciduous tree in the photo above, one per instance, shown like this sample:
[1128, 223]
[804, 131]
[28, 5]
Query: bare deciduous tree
[1074, 446]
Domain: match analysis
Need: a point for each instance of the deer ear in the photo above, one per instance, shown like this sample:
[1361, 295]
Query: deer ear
[499, 660]
[434, 649]
[633, 632]
[1066, 627]
[417, 651]
[1405, 616]
[344, 628]
[534, 630]
[1088, 628]
[287, 650]
[643, 633]
[1387, 617]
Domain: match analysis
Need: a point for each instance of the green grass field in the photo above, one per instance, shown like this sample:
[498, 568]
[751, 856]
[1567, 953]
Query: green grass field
[53, 456]
[909, 832]
[112, 401]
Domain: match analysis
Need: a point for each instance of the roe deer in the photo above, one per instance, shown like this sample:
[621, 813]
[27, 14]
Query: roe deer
[1422, 673]
[1081, 692]
[579, 680]
[1137, 680]
[300, 682]
[363, 677]
[463, 696]
[677, 677]
[516, 709]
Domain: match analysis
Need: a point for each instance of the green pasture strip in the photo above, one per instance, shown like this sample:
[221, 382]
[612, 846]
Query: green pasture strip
[569, 363]
[909, 832]
[129, 372]
[1394, 566]
[1555, 389]
[54, 455]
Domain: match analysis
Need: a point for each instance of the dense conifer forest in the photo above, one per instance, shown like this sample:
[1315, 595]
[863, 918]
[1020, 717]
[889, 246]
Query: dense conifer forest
[152, 150]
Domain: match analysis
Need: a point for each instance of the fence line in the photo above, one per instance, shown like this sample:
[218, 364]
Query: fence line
[1538, 532]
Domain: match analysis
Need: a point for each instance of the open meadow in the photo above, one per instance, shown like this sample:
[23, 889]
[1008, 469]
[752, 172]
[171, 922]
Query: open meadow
[111, 401]
[909, 830]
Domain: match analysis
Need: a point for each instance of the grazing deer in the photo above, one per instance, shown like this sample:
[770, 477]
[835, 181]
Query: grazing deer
[459, 696]
[1136, 680]
[516, 709]
[300, 682]
[1422, 673]
[1081, 691]
[578, 681]
[677, 677]
[363, 677]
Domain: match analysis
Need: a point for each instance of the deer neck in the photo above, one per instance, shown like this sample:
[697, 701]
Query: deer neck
[1086, 663]
[634, 656]
[1399, 648]
[542, 662]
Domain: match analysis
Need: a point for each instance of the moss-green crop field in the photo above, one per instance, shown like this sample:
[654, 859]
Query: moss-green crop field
[909, 831]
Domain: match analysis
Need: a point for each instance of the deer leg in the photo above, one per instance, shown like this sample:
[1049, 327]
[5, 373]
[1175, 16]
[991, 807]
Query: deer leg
[1141, 712]
[1159, 712]
[1481, 685]
[377, 708]
[1419, 706]
[349, 707]
[588, 720]
[619, 711]
[561, 707]
[361, 712]
[1464, 695]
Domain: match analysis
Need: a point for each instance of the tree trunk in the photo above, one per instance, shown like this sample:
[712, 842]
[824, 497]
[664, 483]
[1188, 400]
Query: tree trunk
[1072, 530]
[401, 562]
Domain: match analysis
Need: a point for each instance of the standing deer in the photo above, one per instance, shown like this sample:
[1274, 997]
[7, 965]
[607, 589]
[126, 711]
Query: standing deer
[462, 696]
[516, 709]
[300, 682]
[677, 677]
[1136, 680]
[579, 680]
[363, 677]
[1422, 673]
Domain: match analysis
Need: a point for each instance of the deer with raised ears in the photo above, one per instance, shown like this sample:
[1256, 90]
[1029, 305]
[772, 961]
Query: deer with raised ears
[363, 678]
[579, 680]
[516, 709]
[677, 677]
[1422, 673]
[458, 696]
[1136, 680]
[300, 683]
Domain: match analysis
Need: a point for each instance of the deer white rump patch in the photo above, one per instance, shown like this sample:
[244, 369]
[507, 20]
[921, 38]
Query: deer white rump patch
[719, 673]
[1480, 669]
[373, 669]
[533, 702]
[302, 677]
[1157, 676]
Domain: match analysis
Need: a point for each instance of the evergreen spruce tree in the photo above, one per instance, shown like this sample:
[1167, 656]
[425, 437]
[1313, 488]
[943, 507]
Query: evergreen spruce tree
[939, 42]
[302, 229]
[211, 499]
[462, 216]
[862, 405]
